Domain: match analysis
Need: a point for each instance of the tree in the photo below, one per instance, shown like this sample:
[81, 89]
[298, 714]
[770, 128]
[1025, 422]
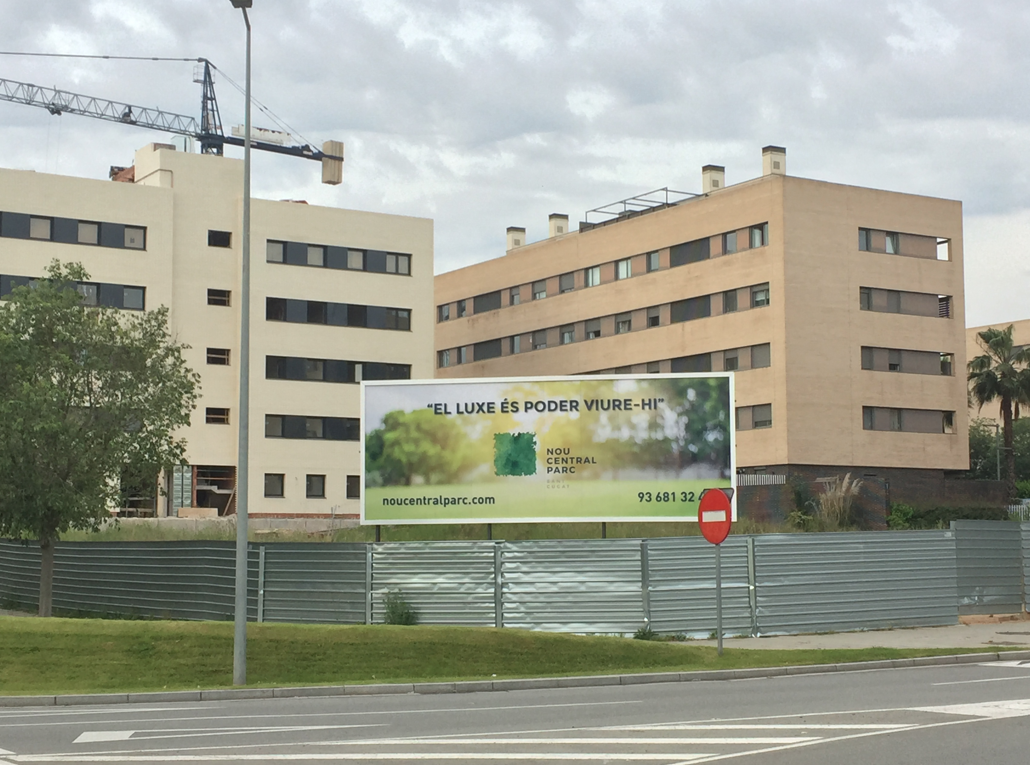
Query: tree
[1001, 374]
[983, 448]
[90, 398]
[419, 443]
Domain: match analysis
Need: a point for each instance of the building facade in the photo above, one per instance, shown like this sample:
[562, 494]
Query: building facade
[840, 309]
[172, 236]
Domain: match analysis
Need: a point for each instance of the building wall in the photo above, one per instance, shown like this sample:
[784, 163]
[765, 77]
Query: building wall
[814, 323]
[179, 197]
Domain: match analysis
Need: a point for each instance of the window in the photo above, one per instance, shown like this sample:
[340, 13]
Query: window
[218, 356]
[219, 297]
[865, 241]
[353, 487]
[730, 361]
[314, 486]
[653, 262]
[761, 356]
[314, 427]
[593, 329]
[219, 238]
[490, 301]
[701, 362]
[760, 295]
[463, 355]
[443, 359]
[946, 364]
[398, 318]
[729, 243]
[653, 367]
[729, 301]
[316, 255]
[566, 283]
[89, 233]
[761, 415]
[275, 251]
[943, 249]
[760, 235]
[516, 344]
[216, 416]
[568, 334]
[135, 238]
[274, 425]
[462, 308]
[274, 484]
[133, 298]
[623, 323]
[88, 292]
[944, 306]
[896, 421]
[623, 269]
[356, 260]
[868, 356]
[691, 308]
[316, 312]
[893, 360]
[592, 276]
[275, 309]
[539, 290]
[513, 296]
[948, 421]
[539, 339]
[314, 369]
[893, 244]
[654, 317]
[39, 228]
[488, 349]
[398, 264]
[868, 418]
[865, 298]
[443, 312]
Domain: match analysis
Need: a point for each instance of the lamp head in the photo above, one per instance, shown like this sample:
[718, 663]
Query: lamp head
[242, 3]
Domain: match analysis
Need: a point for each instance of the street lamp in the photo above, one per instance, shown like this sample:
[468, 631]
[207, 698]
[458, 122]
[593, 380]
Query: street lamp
[239, 645]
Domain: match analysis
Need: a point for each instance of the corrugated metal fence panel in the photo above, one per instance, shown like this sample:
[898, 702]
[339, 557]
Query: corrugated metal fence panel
[172, 580]
[990, 567]
[1026, 565]
[681, 573]
[586, 586]
[19, 575]
[319, 583]
[850, 581]
[446, 582]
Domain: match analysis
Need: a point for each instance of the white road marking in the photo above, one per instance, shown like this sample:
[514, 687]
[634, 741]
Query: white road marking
[448, 710]
[988, 709]
[80, 711]
[799, 726]
[1020, 664]
[89, 737]
[551, 756]
[985, 680]
[576, 740]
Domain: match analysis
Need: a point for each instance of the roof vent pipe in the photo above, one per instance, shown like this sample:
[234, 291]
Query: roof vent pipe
[713, 178]
[774, 160]
[516, 237]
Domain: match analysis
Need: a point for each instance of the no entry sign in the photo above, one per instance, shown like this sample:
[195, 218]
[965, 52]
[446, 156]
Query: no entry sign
[714, 516]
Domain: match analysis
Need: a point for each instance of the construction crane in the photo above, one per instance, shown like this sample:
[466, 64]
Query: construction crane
[207, 132]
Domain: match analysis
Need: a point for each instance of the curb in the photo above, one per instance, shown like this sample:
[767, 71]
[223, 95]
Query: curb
[480, 686]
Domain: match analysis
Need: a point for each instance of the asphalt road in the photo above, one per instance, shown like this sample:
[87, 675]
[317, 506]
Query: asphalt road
[934, 715]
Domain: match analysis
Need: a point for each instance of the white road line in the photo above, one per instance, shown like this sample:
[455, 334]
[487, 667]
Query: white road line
[80, 711]
[550, 756]
[988, 709]
[986, 680]
[89, 737]
[799, 726]
[382, 713]
[575, 740]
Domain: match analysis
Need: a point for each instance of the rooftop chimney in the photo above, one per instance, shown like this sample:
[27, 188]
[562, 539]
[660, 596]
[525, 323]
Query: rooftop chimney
[774, 160]
[713, 178]
[557, 224]
[516, 237]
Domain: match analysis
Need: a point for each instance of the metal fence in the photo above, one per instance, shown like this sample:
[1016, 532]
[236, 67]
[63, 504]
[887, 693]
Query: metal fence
[772, 584]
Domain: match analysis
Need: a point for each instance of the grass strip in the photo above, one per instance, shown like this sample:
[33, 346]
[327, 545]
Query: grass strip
[58, 656]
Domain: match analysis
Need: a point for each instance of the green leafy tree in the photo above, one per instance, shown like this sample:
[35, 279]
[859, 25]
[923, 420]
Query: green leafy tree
[90, 399]
[419, 443]
[1001, 374]
[983, 448]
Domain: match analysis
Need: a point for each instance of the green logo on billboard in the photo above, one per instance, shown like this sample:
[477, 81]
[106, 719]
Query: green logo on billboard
[515, 453]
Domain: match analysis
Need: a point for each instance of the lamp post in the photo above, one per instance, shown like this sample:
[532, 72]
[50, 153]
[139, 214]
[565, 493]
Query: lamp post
[239, 644]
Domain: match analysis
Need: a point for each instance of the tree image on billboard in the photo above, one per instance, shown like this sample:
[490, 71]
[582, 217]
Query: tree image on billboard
[545, 449]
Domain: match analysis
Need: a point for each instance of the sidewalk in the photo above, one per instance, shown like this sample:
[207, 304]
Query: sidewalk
[1000, 634]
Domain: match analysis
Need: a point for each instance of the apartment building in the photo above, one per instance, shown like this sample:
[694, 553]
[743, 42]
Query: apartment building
[840, 310]
[337, 296]
[1020, 339]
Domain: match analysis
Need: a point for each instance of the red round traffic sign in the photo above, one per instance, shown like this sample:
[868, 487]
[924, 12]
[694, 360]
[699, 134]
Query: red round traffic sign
[714, 516]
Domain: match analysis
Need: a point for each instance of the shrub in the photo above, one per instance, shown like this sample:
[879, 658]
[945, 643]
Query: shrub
[900, 516]
[1023, 489]
[941, 517]
[835, 501]
[805, 505]
[397, 610]
[645, 633]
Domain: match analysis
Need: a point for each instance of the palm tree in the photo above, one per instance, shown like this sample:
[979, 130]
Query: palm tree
[1001, 374]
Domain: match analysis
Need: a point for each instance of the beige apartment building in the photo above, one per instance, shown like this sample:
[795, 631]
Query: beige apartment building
[840, 310]
[337, 296]
[1020, 339]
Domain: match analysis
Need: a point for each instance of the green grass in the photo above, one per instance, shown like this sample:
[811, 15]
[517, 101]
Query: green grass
[52, 656]
[517, 497]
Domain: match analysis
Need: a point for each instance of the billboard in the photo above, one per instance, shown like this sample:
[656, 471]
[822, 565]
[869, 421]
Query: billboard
[620, 448]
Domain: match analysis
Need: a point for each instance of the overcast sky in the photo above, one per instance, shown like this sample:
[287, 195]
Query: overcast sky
[488, 114]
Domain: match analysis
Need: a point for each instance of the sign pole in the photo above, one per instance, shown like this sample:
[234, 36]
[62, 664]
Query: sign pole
[718, 595]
